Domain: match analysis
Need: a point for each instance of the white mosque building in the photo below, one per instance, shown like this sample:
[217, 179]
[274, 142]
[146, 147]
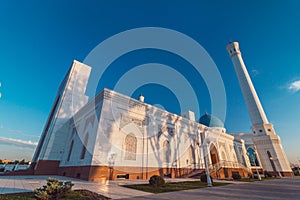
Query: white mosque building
[113, 136]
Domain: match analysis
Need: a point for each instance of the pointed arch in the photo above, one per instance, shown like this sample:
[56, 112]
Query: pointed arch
[252, 157]
[213, 154]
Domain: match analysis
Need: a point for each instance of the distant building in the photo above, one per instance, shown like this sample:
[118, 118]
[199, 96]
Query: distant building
[5, 161]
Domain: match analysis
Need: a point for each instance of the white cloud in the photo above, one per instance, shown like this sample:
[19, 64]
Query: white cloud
[294, 86]
[254, 72]
[18, 142]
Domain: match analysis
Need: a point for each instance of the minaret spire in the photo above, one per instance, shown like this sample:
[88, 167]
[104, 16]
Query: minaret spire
[256, 112]
[267, 142]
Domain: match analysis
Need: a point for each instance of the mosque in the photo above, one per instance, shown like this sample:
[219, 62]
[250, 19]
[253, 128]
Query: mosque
[113, 136]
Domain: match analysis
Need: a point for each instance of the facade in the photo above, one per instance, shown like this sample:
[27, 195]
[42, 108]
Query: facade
[113, 136]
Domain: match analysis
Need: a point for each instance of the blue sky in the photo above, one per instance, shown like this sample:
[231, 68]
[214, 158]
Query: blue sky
[39, 41]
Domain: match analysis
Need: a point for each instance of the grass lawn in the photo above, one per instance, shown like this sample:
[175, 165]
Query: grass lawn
[73, 195]
[170, 187]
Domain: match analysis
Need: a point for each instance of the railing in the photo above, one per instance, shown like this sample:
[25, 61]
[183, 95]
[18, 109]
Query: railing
[13, 167]
[227, 164]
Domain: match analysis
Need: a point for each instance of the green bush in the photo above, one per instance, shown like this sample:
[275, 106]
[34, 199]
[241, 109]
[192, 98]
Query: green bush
[53, 190]
[203, 178]
[156, 181]
[236, 176]
[296, 172]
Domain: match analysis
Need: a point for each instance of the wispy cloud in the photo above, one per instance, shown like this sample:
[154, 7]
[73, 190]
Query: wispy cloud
[254, 72]
[294, 86]
[18, 142]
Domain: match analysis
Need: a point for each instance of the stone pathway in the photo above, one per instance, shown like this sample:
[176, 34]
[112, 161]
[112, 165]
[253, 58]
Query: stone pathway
[276, 189]
[111, 189]
[285, 188]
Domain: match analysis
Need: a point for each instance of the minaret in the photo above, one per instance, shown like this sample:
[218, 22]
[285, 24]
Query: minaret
[267, 142]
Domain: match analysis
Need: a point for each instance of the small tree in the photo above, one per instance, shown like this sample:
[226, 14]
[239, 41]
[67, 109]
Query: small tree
[22, 161]
[236, 176]
[53, 190]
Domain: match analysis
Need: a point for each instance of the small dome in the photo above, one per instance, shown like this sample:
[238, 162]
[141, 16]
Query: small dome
[211, 121]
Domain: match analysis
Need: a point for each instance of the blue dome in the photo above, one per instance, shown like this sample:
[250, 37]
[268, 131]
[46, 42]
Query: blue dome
[211, 121]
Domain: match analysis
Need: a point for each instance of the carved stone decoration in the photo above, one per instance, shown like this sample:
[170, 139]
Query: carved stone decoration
[169, 131]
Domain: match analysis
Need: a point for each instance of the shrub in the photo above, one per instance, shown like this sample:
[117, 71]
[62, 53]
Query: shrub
[296, 172]
[156, 181]
[236, 176]
[203, 178]
[53, 190]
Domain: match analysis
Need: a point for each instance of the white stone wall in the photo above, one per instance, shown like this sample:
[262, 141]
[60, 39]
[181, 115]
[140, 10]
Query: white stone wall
[72, 98]
[120, 115]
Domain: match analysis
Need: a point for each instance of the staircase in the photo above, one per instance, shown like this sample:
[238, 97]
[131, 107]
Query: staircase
[228, 164]
[216, 168]
[195, 174]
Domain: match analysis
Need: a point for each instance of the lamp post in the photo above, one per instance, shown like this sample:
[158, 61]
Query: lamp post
[209, 183]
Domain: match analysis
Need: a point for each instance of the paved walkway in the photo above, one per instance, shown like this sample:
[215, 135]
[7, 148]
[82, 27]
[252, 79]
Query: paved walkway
[111, 189]
[285, 188]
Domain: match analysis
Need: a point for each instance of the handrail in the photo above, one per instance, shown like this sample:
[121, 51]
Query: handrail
[226, 164]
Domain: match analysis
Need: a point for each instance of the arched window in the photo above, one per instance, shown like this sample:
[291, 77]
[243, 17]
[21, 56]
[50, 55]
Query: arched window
[130, 147]
[166, 151]
[252, 157]
[85, 143]
[70, 150]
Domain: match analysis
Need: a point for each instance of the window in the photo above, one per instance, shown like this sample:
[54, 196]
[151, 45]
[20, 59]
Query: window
[70, 150]
[84, 146]
[130, 147]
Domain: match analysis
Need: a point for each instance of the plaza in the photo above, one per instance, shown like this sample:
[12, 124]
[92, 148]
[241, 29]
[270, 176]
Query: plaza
[284, 188]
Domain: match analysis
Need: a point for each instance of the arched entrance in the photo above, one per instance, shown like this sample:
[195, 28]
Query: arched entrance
[252, 157]
[213, 154]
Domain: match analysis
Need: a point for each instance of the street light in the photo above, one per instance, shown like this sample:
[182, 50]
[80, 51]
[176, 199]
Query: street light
[254, 159]
[209, 183]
